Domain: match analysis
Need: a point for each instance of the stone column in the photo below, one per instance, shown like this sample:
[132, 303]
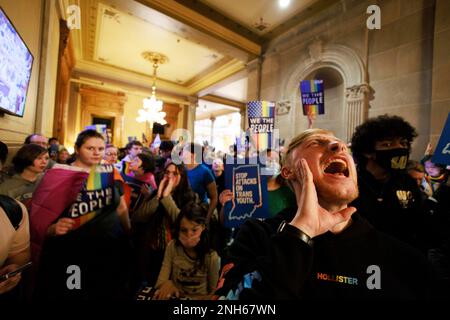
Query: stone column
[357, 100]
[244, 122]
[254, 79]
[193, 102]
[253, 87]
[213, 120]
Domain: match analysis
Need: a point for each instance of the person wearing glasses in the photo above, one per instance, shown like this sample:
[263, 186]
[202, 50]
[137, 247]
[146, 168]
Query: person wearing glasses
[111, 154]
[155, 218]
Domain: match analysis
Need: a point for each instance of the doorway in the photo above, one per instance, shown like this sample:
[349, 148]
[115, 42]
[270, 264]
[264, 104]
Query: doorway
[109, 122]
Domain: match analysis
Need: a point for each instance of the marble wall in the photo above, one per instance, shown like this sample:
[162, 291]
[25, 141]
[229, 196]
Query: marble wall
[408, 64]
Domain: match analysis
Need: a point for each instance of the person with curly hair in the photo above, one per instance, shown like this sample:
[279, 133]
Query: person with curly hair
[388, 197]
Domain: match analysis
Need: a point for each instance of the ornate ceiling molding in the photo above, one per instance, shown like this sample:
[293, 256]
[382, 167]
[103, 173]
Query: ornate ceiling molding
[216, 75]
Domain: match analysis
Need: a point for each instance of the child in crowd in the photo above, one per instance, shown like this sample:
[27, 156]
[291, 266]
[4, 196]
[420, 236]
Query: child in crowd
[435, 176]
[154, 220]
[190, 268]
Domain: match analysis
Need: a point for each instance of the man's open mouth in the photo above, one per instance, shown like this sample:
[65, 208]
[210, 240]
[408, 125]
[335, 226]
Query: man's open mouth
[336, 167]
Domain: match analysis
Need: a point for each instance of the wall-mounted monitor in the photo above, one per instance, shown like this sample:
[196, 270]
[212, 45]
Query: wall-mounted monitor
[16, 62]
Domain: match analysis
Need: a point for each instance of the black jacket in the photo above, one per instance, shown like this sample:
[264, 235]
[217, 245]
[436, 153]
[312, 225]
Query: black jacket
[393, 207]
[268, 265]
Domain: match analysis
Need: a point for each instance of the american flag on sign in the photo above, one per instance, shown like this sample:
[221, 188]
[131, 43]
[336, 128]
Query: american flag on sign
[261, 118]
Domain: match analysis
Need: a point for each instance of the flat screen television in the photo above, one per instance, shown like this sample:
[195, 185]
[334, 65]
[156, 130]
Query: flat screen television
[16, 62]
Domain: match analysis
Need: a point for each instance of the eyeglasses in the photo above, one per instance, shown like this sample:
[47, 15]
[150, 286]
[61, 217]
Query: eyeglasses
[171, 172]
[111, 154]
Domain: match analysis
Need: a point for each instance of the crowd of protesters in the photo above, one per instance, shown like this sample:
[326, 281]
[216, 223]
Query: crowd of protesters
[153, 217]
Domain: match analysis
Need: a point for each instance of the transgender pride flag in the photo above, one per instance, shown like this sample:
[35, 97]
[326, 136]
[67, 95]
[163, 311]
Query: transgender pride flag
[261, 118]
[312, 97]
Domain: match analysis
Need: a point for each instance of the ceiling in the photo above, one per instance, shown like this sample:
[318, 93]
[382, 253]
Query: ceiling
[116, 28]
[236, 90]
[259, 16]
[208, 43]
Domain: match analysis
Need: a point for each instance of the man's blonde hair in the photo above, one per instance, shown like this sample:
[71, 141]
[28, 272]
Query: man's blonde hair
[298, 140]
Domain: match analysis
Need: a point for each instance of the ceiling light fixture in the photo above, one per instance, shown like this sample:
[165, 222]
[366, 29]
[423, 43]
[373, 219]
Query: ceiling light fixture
[152, 109]
[284, 3]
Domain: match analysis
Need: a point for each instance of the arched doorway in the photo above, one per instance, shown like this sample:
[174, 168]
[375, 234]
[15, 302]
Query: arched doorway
[356, 93]
[334, 93]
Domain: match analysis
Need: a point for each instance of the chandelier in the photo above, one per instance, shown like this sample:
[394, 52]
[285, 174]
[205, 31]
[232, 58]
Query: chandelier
[151, 111]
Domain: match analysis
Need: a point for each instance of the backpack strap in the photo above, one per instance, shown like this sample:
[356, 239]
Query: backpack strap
[12, 209]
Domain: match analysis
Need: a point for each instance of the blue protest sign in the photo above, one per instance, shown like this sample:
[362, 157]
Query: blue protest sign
[312, 94]
[249, 189]
[442, 153]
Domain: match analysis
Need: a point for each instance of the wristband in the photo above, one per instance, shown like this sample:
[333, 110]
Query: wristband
[290, 229]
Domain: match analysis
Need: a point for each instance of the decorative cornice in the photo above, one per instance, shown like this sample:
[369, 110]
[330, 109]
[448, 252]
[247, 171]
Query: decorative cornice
[109, 72]
[209, 70]
[283, 107]
[217, 75]
[193, 100]
[359, 92]
[225, 101]
[129, 89]
[213, 114]
[253, 64]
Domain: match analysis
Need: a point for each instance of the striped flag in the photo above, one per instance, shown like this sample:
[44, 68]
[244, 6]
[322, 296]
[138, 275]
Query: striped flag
[312, 97]
[100, 128]
[261, 118]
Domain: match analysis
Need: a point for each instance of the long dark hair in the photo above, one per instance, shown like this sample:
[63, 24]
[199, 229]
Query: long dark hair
[195, 212]
[183, 193]
[156, 227]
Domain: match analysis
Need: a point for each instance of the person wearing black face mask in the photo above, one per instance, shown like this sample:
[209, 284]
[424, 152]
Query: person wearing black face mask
[388, 197]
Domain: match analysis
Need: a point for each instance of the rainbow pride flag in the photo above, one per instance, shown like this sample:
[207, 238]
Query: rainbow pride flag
[97, 195]
[126, 168]
[261, 118]
[100, 128]
[313, 99]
